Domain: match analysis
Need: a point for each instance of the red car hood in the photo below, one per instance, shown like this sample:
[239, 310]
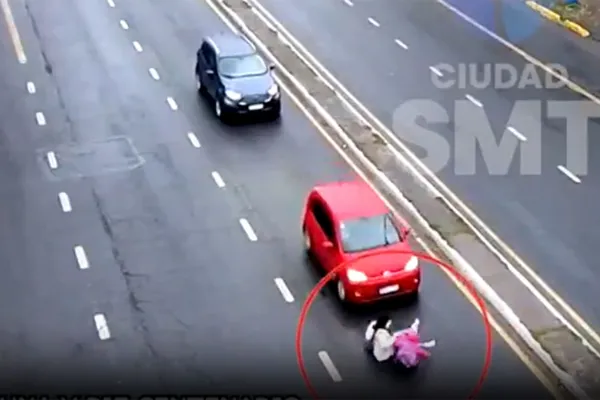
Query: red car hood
[380, 263]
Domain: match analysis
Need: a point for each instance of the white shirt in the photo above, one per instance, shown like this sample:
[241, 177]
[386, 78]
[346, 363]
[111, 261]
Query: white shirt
[383, 345]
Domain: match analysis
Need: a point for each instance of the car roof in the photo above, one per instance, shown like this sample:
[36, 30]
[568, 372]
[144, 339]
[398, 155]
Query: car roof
[351, 199]
[231, 44]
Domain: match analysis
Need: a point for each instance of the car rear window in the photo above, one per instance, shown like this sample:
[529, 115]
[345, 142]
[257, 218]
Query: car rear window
[241, 66]
[368, 233]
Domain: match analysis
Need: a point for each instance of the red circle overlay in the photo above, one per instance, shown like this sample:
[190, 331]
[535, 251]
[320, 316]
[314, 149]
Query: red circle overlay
[424, 257]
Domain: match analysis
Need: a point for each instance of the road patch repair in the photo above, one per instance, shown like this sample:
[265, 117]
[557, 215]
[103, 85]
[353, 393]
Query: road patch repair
[568, 16]
[565, 352]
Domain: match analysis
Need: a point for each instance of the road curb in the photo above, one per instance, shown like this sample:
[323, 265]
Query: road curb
[556, 18]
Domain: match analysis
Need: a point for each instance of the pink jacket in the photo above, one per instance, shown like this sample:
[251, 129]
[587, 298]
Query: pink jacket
[409, 349]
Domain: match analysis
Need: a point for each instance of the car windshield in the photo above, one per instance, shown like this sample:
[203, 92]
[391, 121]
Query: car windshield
[241, 66]
[368, 233]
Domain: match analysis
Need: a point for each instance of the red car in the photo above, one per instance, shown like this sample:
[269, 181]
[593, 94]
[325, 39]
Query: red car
[345, 220]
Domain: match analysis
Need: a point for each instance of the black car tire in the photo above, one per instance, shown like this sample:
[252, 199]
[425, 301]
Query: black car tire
[218, 108]
[199, 85]
[275, 114]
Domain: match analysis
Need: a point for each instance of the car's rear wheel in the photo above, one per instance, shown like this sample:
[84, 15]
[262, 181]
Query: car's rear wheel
[307, 243]
[199, 85]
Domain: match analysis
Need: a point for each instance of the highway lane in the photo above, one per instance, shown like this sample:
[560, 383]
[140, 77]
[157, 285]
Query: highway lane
[511, 204]
[545, 40]
[272, 167]
[157, 237]
[36, 249]
[184, 310]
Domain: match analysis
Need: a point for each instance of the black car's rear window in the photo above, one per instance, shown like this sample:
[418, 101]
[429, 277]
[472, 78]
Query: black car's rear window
[241, 66]
[368, 233]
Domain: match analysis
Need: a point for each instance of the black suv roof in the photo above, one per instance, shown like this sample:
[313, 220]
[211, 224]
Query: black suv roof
[231, 45]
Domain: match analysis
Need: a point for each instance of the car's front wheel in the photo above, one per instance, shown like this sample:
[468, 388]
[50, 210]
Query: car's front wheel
[341, 291]
[218, 109]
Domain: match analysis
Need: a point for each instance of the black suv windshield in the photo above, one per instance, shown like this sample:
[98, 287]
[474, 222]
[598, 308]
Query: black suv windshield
[241, 66]
[368, 233]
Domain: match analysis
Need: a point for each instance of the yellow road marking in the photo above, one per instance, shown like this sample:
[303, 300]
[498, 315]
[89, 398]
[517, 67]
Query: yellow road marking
[13, 31]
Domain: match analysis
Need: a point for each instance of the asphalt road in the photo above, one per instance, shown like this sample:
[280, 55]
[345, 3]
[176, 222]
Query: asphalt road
[545, 217]
[188, 297]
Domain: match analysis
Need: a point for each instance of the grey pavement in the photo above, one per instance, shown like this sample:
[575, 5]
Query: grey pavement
[190, 301]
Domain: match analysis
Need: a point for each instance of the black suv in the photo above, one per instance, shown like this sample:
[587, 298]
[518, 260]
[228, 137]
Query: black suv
[235, 77]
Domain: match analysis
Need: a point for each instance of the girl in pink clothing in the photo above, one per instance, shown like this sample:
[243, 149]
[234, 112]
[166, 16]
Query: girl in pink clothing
[409, 350]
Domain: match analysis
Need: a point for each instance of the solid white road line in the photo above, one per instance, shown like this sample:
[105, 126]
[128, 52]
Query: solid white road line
[518, 134]
[154, 74]
[124, 24]
[40, 118]
[248, 230]
[193, 140]
[218, 180]
[285, 291]
[65, 202]
[401, 44]
[331, 369]
[81, 257]
[102, 326]
[31, 87]
[436, 71]
[172, 104]
[111, 3]
[473, 100]
[13, 31]
[52, 161]
[349, 3]
[137, 46]
[374, 22]
[569, 174]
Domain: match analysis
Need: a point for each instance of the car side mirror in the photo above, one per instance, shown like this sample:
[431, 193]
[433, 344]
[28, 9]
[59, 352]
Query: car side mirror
[210, 72]
[271, 67]
[327, 244]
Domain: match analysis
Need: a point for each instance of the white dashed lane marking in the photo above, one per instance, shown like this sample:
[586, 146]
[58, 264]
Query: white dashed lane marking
[193, 140]
[102, 326]
[474, 100]
[569, 174]
[218, 180]
[52, 161]
[349, 3]
[138, 47]
[329, 366]
[248, 230]
[124, 24]
[517, 134]
[374, 22]
[154, 74]
[401, 44]
[40, 118]
[285, 291]
[31, 87]
[65, 202]
[436, 71]
[82, 260]
[111, 3]
[172, 104]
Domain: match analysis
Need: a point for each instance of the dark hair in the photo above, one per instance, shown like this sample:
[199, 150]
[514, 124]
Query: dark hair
[381, 322]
